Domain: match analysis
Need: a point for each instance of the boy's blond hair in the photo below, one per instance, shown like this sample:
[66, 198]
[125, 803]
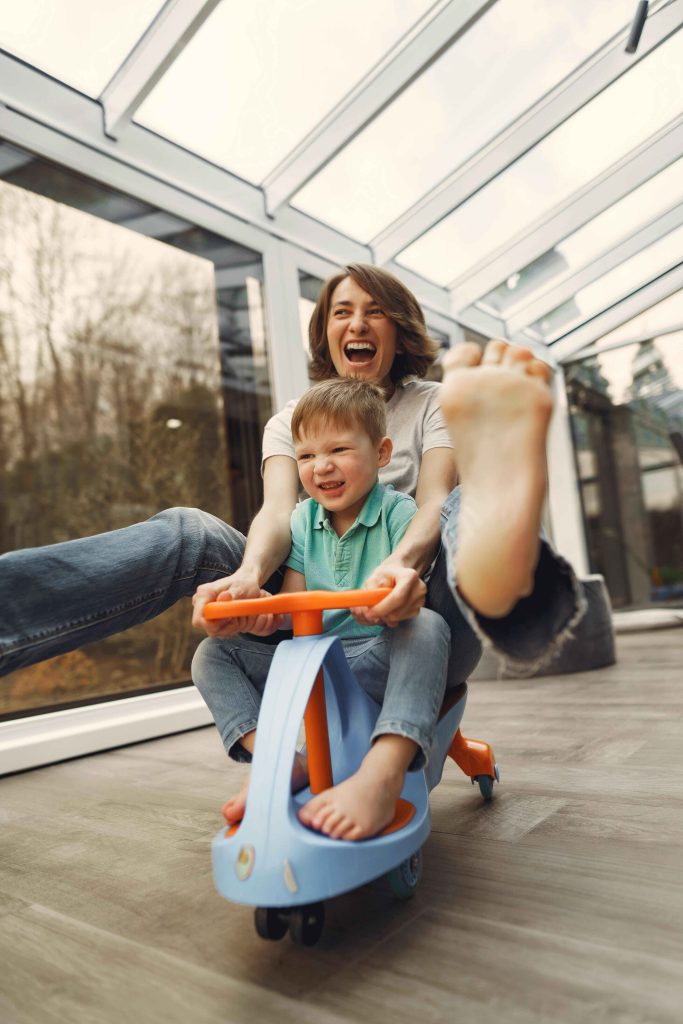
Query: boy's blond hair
[345, 402]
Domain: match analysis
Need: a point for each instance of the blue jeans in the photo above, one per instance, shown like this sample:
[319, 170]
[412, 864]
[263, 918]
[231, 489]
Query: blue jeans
[59, 597]
[390, 666]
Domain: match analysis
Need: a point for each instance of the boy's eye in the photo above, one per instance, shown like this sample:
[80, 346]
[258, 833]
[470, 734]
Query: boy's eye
[340, 448]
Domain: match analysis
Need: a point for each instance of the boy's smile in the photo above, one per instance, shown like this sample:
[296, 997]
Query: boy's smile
[338, 468]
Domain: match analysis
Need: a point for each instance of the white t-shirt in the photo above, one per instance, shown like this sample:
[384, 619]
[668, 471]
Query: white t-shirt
[414, 424]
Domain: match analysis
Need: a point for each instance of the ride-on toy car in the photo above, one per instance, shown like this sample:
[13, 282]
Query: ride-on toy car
[270, 860]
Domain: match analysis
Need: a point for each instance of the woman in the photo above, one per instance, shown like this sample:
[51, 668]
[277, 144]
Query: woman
[517, 597]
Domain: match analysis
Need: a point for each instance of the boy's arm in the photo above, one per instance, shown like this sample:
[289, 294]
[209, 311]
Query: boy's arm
[415, 552]
[268, 544]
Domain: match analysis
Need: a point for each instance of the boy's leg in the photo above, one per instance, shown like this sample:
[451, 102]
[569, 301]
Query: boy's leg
[231, 675]
[519, 596]
[392, 671]
[59, 597]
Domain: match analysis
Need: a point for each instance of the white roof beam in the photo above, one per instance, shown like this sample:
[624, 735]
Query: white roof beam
[568, 288]
[155, 51]
[412, 55]
[563, 101]
[56, 122]
[652, 293]
[652, 156]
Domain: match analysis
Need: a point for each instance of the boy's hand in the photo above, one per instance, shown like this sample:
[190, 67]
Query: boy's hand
[231, 588]
[404, 602]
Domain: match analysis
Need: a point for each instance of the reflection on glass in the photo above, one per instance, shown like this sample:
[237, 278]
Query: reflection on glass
[627, 419]
[454, 109]
[112, 350]
[258, 76]
[618, 222]
[77, 41]
[615, 122]
[309, 289]
[630, 275]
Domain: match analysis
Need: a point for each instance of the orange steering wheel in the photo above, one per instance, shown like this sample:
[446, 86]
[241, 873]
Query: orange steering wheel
[305, 606]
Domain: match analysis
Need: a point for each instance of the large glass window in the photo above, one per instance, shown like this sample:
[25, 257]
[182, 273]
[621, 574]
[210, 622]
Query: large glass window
[133, 377]
[627, 417]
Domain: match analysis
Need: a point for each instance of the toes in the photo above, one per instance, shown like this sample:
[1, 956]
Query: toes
[461, 356]
[537, 368]
[495, 352]
[518, 358]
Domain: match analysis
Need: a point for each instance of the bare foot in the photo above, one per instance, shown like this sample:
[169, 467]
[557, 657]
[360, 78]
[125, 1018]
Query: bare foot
[365, 803]
[234, 808]
[497, 409]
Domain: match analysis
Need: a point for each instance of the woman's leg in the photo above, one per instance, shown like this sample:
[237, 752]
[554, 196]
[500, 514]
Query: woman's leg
[59, 597]
[519, 596]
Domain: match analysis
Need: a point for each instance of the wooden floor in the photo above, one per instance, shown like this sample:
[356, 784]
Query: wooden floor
[560, 901]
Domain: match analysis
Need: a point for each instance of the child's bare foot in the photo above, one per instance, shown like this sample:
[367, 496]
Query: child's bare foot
[234, 808]
[365, 803]
[497, 409]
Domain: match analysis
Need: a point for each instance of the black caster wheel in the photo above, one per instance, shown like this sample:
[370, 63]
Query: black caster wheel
[306, 924]
[405, 877]
[271, 923]
[486, 783]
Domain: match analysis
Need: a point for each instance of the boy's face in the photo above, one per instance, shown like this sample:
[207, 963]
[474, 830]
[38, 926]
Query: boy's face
[338, 465]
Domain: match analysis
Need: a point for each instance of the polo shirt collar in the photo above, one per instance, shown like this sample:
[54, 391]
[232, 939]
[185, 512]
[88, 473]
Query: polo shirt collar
[368, 515]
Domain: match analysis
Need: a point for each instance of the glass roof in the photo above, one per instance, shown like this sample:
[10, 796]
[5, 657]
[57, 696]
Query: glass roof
[616, 121]
[77, 41]
[253, 80]
[258, 76]
[453, 109]
[598, 236]
[652, 261]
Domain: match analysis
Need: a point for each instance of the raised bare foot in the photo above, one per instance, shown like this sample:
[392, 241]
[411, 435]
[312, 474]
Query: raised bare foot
[365, 803]
[497, 409]
[234, 808]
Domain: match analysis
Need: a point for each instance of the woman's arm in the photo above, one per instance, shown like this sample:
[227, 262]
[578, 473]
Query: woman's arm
[415, 552]
[268, 544]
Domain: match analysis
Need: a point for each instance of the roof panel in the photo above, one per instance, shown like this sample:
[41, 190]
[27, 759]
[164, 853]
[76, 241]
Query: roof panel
[479, 87]
[258, 76]
[614, 123]
[619, 221]
[654, 260]
[78, 42]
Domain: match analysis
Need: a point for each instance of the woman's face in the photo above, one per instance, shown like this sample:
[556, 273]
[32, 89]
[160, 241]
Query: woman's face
[361, 339]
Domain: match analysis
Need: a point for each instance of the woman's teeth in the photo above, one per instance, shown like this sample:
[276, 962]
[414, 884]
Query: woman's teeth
[360, 351]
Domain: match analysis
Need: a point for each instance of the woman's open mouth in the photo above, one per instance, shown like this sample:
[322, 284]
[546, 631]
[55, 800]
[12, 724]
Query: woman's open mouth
[359, 351]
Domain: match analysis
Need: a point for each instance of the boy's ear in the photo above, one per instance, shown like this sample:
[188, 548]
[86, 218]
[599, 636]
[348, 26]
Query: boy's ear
[384, 451]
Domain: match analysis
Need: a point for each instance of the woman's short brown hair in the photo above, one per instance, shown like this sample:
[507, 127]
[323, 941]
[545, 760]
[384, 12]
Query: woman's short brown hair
[344, 401]
[416, 351]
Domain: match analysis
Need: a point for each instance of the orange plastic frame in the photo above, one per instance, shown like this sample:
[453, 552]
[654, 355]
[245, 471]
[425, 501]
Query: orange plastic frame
[306, 609]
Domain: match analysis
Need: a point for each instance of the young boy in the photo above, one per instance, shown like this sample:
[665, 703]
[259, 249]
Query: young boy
[349, 524]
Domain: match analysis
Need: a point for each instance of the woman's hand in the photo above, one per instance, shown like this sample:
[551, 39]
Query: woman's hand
[404, 602]
[237, 587]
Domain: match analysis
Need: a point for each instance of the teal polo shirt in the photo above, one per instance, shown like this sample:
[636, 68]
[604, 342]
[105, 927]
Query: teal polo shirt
[329, 562]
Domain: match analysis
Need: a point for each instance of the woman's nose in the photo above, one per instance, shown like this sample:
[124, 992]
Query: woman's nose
[358, 323]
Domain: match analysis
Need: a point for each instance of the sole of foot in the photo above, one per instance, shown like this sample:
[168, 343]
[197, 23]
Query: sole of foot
[497, 406]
